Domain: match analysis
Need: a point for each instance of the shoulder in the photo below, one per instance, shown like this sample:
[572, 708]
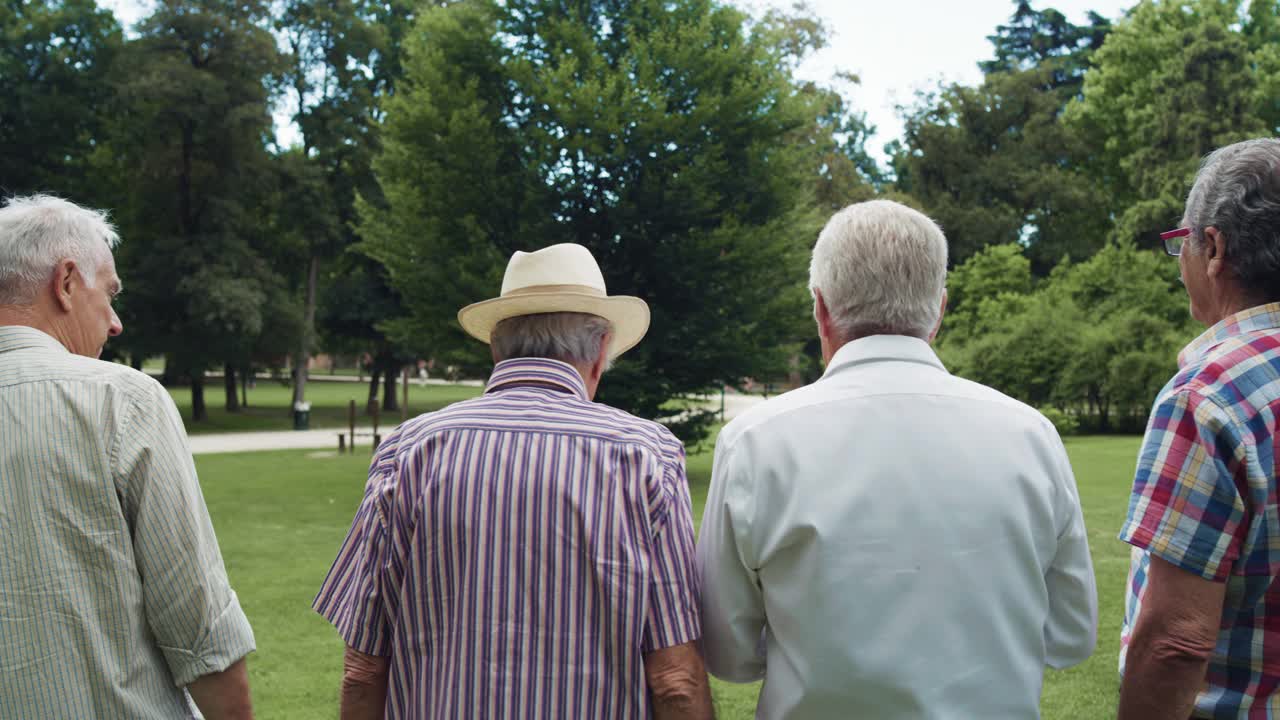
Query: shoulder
[767, 418]
[136, 386]
[1013, 410]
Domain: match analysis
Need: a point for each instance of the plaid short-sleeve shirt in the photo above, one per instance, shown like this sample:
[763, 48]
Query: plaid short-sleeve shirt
[1204, 499]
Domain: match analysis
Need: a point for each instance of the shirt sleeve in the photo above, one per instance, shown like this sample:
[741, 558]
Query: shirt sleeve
[1071, 630]
[354, 595]
[733, 613]
[1186, 507]
[672, 616]
[189, 604]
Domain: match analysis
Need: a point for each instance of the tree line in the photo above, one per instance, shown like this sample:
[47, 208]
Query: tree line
[429, 140]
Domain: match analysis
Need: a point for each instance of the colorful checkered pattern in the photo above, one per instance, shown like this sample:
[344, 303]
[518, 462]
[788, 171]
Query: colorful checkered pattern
[1204, 499]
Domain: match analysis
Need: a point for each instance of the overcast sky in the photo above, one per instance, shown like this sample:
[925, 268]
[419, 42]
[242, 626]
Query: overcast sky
[895, 46]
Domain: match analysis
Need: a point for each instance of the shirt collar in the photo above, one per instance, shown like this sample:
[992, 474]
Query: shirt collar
[1260, 317]
[560, 376]
[21, 337]
[875, 348]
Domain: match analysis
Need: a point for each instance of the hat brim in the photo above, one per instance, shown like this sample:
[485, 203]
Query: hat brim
[629, 315]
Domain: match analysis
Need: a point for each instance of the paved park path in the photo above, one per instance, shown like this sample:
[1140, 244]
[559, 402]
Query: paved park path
[327, 439]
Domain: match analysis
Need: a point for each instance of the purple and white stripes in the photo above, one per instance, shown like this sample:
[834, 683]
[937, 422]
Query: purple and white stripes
[514, 555]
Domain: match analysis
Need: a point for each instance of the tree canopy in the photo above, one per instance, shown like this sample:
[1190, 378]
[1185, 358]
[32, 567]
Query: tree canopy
[663, 136]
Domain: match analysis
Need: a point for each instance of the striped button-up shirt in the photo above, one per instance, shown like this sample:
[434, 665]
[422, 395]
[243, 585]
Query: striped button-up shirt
[516, 555]
[113, 594]
[1204, 499]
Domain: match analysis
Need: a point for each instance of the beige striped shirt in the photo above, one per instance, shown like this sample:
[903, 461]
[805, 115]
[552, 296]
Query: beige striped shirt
[113, 595]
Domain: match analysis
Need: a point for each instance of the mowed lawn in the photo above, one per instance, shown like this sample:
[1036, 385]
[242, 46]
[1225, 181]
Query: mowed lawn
[281, 515]
[271, 405]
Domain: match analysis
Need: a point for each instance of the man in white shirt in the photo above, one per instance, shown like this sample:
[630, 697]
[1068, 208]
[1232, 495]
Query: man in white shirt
[892, 541]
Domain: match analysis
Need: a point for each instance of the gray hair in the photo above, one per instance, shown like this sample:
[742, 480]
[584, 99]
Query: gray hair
[882, 269]
[1237, 191]
[40, 231]
[571, 337]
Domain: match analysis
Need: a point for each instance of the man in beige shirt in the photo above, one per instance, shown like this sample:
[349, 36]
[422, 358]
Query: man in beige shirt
[114, 602]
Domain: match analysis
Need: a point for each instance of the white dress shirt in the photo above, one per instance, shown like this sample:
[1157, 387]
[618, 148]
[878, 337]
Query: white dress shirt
[894, 542]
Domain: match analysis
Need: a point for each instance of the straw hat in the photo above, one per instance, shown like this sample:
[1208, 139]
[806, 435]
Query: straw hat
[560, 278]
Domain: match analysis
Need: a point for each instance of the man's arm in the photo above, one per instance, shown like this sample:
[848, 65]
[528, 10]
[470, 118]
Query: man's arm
[364, 685]
[223, 695]
[1170, 646]
[677, 683]
[1071, 630]
[194, 616]
[733, 617]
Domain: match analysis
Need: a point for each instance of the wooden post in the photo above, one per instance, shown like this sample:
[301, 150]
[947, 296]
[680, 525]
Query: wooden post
[404, 396]
[342, 443]
[376, 439]
[351, 421]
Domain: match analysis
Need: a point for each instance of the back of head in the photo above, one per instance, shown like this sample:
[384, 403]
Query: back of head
[1237, 191]
[881, 268]
[40, 231]
[572, 337]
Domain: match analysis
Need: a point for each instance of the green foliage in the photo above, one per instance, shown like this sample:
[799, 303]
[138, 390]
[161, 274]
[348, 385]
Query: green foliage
[194, 180]
[1173, 82]
[1096, 340]
[1065, 424]
[666, 137]
[54, 59]
[993, 164]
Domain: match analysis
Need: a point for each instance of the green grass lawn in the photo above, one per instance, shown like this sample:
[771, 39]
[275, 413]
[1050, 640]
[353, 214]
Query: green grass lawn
[271, 405]
[281, 515]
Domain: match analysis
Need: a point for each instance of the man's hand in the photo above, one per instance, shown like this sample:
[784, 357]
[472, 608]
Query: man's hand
[223, 695]
[1170, 647]
[678, 683]
[364, 685]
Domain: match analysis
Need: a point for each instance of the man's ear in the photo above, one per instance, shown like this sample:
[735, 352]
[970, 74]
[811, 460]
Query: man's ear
[821, 313]
[601, 364]
[941, 311]
[66, 276]
[1216, 251]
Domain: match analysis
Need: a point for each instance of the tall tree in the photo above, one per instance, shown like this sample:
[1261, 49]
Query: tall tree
[54, 59]
[342, 57]
[1173, 82]
[189, 147]
[661, 135]
[993, 163]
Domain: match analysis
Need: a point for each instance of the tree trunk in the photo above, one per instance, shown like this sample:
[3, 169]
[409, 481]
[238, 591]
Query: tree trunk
[374, 378]
[308, 332]
[229, 388]
[170, 372]
[389, 401]
[135, 361]
[198, 411]
[244, 386]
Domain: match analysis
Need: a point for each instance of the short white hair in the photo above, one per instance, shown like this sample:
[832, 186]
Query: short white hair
[882, 269]
[38, 232]
[575, 338]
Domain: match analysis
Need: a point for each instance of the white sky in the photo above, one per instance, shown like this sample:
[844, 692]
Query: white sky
[896, 47]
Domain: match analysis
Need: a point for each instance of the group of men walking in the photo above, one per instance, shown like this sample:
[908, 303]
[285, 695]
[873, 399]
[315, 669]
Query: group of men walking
[890, 541]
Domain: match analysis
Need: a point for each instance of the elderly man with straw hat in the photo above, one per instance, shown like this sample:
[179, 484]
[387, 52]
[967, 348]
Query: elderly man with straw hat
[528, 553]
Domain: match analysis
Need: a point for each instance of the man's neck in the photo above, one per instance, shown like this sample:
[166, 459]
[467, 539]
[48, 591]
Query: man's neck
[29, 316]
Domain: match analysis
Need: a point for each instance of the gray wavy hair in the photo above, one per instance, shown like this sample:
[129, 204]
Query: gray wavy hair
[38, 232]
[882, 269]
[575, 338]
[1237, 191]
